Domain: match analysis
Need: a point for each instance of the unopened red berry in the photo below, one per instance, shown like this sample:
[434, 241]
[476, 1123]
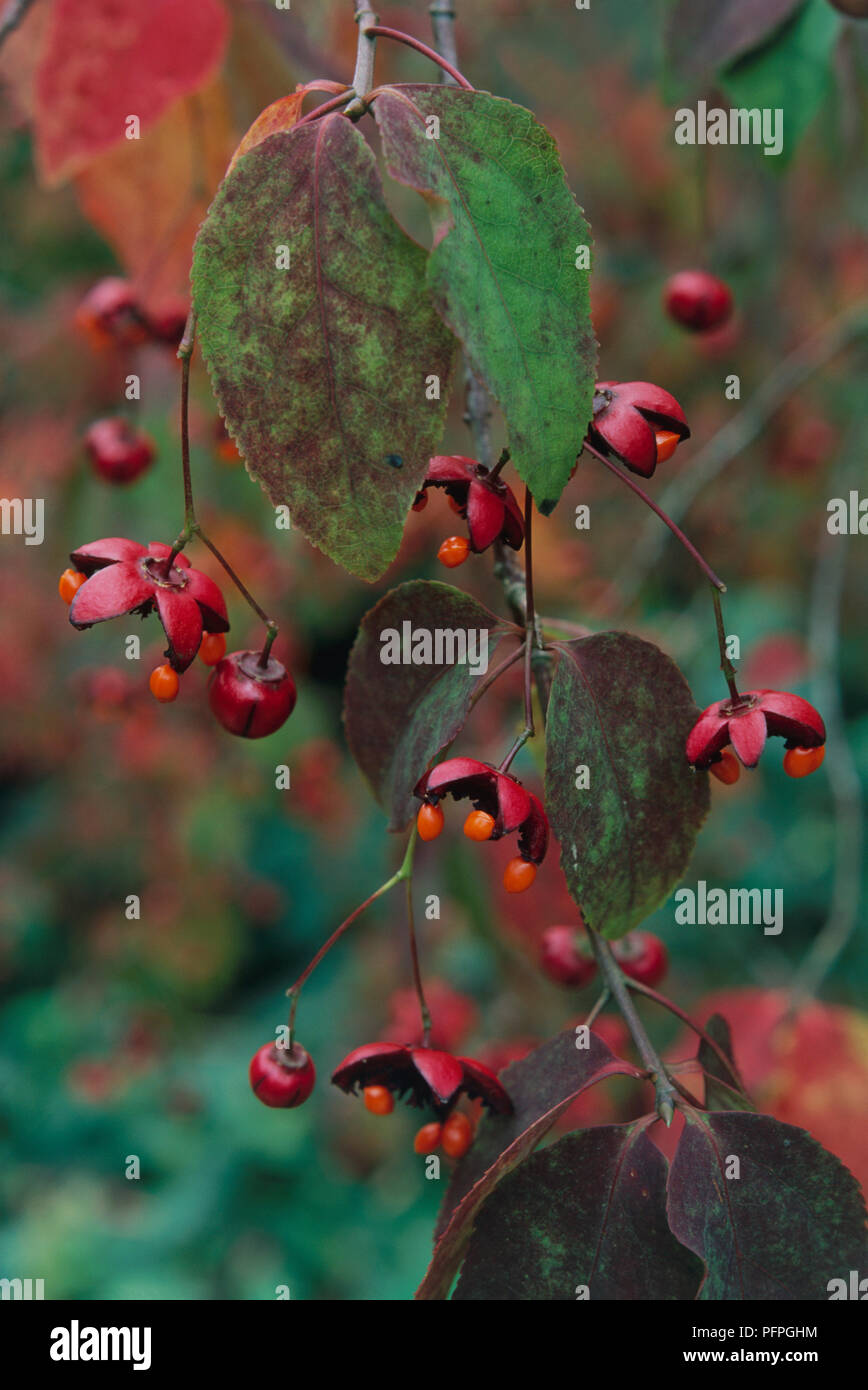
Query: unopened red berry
[801, 762]
[429, 821]
[69, 584]
[110, 314]
[167, 323]
[164, 684]
[454, 551]
[427, 1139]
[518, 875]
[249, 699]
[457, 1135]
[282, 1077]
[563, 959]
[727, 769]
[379, 1100]
[479, 825]
[697, 300]
[642, 956]
[212, 648]
[119, 452]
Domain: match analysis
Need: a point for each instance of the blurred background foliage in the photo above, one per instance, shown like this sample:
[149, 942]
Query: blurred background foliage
[126, 1037]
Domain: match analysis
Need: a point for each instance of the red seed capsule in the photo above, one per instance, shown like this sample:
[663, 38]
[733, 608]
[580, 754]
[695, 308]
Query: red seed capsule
[281, 1077]
[249, 699]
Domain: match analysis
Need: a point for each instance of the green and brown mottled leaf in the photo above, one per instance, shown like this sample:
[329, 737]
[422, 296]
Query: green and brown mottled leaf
[584, 1218]
[398, 717]
[541, 1087]
[503, 269]
[320, 370]
[792, 1219]
[622, 708]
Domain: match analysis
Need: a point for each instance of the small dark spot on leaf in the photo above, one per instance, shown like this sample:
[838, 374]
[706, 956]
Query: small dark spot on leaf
[395, 460]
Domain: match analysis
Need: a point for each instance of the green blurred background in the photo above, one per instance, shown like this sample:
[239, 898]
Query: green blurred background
[122, 1037]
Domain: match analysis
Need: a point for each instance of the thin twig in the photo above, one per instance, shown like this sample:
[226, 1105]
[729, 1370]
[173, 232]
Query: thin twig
[380, 31]
[616, 983]
[738, 433]
[363, 77]
[824, 643]
[417, 973]
[239, 584]
[726, 666]
[442, 15]
[12, 17]
[658, 511]
[403, 873]
[515, 585]
[495, 675]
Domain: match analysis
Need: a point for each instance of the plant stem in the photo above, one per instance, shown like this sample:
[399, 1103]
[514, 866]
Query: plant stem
[824, 634]
[501, 463]
[333, 104]
[726, 665]
[185, 353]
[477, 415]
[404, 872]
[379, 31]
[616, 983]
[240, 586]
[363, 77]
[665, 1003]
[443, 28]
[598, 1008]
[667, 520]
[495, 675]
[417, 974]
[741, 431]
[518, 591]
[531, 636]
[12, 17]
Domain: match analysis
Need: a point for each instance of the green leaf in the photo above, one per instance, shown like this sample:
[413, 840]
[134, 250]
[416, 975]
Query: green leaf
[620, 707]
[702, 36]
[791, 73]
[589, 1211]
[503, 269]
[398, 717]
[541, 1086]
[783, 1223]
[320, 369]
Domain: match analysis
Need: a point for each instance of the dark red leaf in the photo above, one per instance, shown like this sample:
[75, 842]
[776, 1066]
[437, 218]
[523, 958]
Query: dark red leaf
[588, 1211]
[792, 1220]
[541, 1086]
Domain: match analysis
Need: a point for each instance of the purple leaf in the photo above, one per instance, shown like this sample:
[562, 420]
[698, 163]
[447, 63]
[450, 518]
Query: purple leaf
[587, 1213]
[541, 1087]
[792, 1219]
[398, 717]
[620, 707]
